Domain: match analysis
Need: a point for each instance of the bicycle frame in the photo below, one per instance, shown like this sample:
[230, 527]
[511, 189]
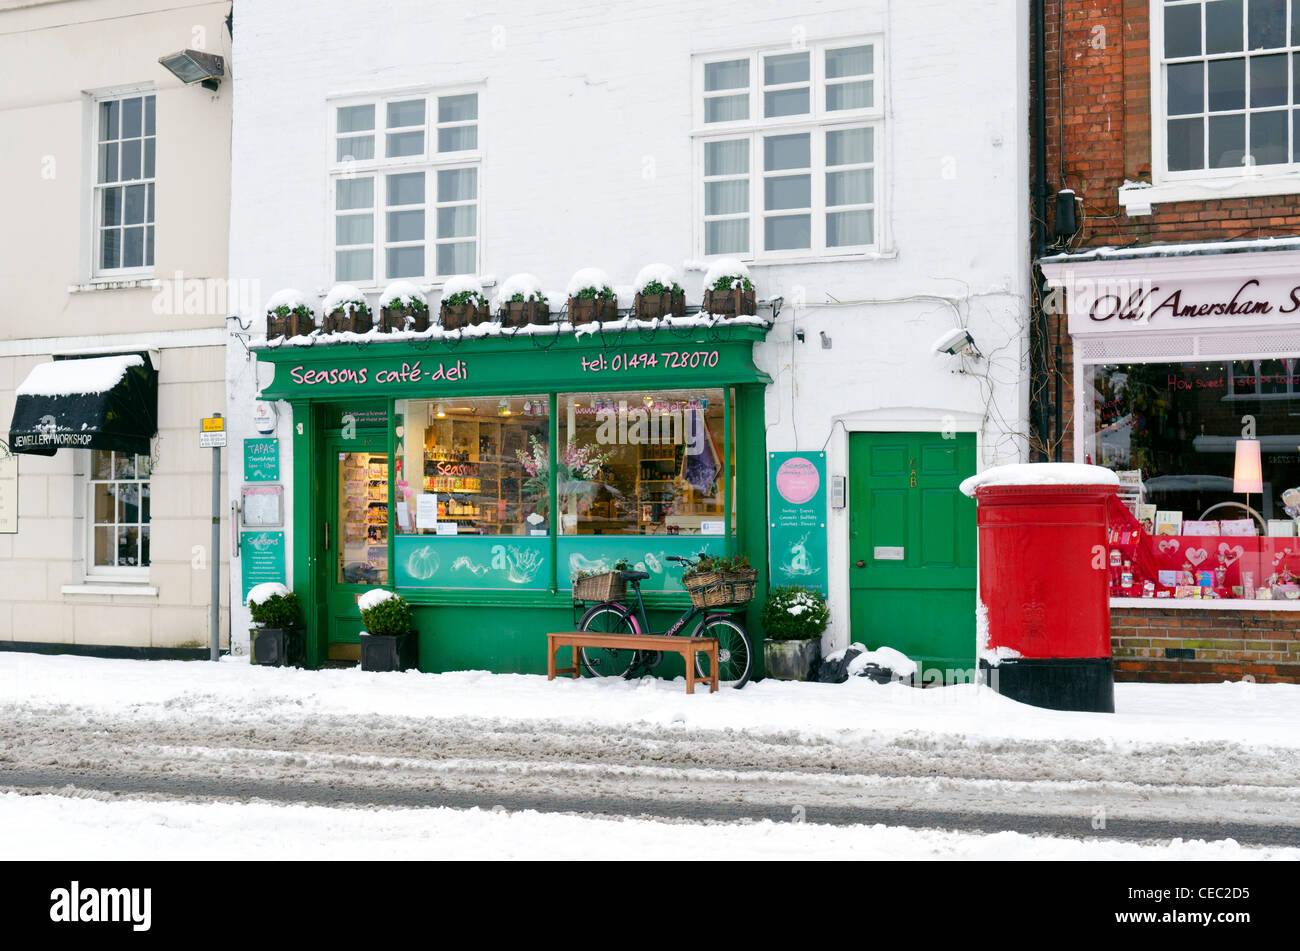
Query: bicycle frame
[679, 626]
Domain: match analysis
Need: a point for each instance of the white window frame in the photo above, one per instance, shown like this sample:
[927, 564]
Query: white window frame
[430, 161]
[117, 573]
[816, 124]
[94, 188]
[1196, 184]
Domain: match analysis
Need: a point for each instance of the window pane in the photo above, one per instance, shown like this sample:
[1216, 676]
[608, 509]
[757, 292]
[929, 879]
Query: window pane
[458, 108]
[405, 226]
[785, 68]
[149, 118]
[110, 248]
[1266, 24]
[105, 554]
[726, 108]
[849, 146]
[112, 206]
[356, 118]
[1223, 26]
[108, 162]
[123, 465]
[109, 117]
[785, 102]
[1268, 136]
[149, 149]
[1295, 22]
[133, 247]
[788, 191]
[732, 74]
[1227, 84]
[787, 151]
[849, 188]
[128, 547]
[1268, 81]
[1186, 88]
[726, 237]
[132, 117]
[149, 206]
[132, 154]
[406, 262]
[1295, 136]
[354, 229]
[144, 546]
[408, 113]
[407, 189]
[850, 61]
[787, 232]
[1227, 141]
[129, 496]
[726, 198]
[459, 221]
[848, 228]
[849, 96]
[457, 184]
[1183, 30]
[134, 214]
[104, 501]
[459, 138]
[726, 158]
[354, 193]
[1186, 141]
[405, 143]
[148, 246]
[353, 265]
[356, 149]
[457, 258]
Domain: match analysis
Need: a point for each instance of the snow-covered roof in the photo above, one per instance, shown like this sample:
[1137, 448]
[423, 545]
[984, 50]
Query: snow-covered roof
[78, 377]
[1176, 250]
[1040, 473]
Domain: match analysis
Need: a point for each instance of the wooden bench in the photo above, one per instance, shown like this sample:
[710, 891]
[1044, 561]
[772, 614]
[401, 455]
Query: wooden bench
[688, 647]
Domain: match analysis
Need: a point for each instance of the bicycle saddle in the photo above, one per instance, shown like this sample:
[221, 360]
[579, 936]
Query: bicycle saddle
[635, 575]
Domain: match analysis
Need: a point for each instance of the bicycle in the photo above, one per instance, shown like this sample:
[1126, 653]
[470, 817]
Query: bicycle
[735, 654]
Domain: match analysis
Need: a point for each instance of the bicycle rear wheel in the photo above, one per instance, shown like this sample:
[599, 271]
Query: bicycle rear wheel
[735, 658]
[607, 618]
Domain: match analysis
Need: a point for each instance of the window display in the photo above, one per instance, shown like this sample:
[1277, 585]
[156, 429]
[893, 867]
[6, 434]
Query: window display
[363, 518]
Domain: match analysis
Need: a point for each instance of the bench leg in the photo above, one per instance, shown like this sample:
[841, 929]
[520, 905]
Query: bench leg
[713, 657]
[689, 657]
[550, 658]
[577, 667]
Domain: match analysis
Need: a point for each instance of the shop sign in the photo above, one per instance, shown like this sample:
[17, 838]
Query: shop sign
[797, 519]
[261, 558]
[8, 491]
[262, 460]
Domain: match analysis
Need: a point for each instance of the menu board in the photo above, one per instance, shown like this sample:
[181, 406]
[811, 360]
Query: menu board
[797, 519]
[261, 558]
[262, 460]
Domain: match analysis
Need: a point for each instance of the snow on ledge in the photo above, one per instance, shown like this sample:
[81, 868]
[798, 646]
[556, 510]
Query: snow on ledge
[1040, 473]
[77, 377]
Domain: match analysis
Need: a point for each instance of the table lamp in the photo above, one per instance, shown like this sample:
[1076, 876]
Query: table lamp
[1247, 475]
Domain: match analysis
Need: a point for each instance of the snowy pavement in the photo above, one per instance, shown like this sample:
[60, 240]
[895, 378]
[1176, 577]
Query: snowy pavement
[115, 758]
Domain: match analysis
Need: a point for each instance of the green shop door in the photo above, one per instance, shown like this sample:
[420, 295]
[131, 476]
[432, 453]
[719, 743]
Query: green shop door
[912, 547]
[355, 542]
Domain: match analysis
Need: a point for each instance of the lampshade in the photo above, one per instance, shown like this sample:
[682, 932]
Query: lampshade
[1246, 473]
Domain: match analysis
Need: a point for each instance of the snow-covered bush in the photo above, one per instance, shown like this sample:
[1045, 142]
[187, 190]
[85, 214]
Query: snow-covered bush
[384, 613]
[657, 279]
[275, 607]
[794, 613]
[286, 302]
[463, 289]
[590, 282]
[401, 294]
[519, 289]
[726, 274]
[346, 298]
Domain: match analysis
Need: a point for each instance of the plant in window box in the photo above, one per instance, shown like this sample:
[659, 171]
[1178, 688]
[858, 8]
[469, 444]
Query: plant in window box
[658, 294]
[522, 302]
[403, 307]
[289, 315]
[793, 621]
[277, 640]
[601, 585]
[591, 298]
[463, 303]
[389, 641]
[728, 291]
[720, 582]
[345, 309]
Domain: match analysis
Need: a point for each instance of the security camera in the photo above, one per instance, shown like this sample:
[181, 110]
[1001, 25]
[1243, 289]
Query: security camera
[955, 342]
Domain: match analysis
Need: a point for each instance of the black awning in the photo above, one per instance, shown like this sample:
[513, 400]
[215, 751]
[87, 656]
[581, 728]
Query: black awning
[102, 402]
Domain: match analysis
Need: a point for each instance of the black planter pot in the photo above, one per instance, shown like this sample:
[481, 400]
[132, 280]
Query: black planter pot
[276, 647]
[383, 653]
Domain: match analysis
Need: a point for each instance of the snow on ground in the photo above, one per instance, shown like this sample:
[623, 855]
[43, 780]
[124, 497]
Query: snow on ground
[87, 828]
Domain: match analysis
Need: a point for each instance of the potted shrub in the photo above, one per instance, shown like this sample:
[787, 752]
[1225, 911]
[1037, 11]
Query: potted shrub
[728, 291]
[521, 302]
[793, 620]
[591, 298]
[658, 294]
[403, 307]
[277, 640]
[388, 642]
[289, 315]
[463, 304]
[345, 309]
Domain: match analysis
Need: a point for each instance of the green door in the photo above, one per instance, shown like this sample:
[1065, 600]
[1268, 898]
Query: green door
[355, 542]
[912, 547]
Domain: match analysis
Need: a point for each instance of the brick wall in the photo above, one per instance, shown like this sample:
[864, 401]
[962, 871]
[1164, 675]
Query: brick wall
[1181, 645]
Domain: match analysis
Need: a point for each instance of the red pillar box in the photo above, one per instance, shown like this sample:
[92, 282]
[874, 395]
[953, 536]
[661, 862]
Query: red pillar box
[1044, 584]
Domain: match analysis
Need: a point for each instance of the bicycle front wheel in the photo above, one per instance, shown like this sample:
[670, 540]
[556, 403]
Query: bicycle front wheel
[735, 658]
[607, 618]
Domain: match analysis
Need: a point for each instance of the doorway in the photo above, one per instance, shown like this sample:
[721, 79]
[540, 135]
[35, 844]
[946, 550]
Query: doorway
[912, 547]
[355, 539]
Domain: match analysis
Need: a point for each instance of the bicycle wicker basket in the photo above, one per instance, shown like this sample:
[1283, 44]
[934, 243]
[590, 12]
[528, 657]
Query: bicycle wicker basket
[727, 589]
[610, 586]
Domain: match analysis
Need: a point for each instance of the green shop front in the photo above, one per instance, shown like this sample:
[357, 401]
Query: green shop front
[475, 477]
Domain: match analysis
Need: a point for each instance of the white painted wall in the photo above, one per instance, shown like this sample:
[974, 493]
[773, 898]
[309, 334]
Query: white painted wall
[580, 97]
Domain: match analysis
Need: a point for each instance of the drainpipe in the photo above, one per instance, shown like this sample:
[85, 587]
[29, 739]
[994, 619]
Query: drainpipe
[1038, 395]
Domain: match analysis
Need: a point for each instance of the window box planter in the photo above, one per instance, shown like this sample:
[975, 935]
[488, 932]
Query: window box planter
[792, 660]
[457, 316]
[586, 310]
[407, 317]
[732, 303]
[345, 309]
[521, 313]
[665, 304]
[290, 325]
[276, 646]
[384, 653]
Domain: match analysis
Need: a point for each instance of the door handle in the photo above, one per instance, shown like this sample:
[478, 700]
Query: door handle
[860, 564]
[327, 536]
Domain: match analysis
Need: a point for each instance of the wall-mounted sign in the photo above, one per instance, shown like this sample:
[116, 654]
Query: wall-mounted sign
[262, 558]
[797, 519]
[212, 432]
[8, 491]
[262, 506]
[262, 460]
[264, 418]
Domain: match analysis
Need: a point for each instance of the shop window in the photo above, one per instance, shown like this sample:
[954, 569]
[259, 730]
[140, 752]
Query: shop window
[641, 463]
[123, 193]
[473, 466]
[118, 507]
